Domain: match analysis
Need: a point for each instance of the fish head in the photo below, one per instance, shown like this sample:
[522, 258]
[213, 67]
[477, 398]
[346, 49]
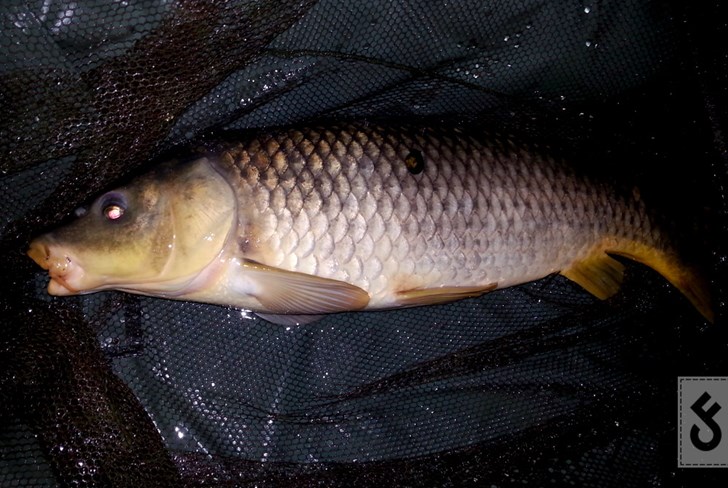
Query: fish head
[152, 236]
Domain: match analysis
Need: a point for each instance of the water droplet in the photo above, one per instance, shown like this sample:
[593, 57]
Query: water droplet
[587, 10]
[588, 43]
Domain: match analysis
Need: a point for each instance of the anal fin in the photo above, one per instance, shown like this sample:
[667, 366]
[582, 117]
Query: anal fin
[431, 296]
[599, 274]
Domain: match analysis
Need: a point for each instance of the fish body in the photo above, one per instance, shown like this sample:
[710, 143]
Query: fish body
[302, 222]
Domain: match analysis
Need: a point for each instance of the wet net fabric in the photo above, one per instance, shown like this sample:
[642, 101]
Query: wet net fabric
[535, 385]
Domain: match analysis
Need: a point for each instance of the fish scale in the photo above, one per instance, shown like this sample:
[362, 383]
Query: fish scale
[297, 222]
[459, 223]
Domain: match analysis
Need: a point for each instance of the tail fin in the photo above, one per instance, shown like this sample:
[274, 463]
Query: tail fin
[687, 279]
[602, 275]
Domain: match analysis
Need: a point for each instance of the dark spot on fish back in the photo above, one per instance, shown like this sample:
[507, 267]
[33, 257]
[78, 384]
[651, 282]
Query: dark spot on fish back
[415, 162]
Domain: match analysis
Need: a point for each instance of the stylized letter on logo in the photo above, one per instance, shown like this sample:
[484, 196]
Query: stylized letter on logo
[707, 417]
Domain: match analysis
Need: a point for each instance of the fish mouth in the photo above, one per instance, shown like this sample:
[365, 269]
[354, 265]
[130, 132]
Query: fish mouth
[63, 270]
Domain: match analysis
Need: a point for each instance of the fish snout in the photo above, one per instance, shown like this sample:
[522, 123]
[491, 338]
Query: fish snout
[39, 253]
[60, 266]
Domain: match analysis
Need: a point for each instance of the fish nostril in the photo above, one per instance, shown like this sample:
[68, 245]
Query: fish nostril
[55, 261]
[58, 268]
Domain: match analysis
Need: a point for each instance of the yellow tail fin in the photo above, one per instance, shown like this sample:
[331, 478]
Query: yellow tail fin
[601, 275]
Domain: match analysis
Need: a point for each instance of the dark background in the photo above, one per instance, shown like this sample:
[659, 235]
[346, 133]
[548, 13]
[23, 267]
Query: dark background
[536, 385]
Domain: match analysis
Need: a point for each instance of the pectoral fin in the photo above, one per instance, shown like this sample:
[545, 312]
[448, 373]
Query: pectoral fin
[431, 296]
[288, 292]
[599, 274]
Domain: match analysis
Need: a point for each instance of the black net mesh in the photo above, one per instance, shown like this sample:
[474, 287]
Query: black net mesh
[535, 385]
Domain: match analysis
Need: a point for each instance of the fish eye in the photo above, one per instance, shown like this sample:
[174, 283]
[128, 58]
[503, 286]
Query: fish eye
[113, 206]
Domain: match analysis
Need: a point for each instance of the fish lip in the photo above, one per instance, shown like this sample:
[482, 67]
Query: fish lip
[62, 269]
[72, 272]
[60, 281]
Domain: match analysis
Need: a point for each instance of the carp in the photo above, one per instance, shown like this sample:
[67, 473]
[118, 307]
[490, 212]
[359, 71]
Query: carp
[295, 223]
